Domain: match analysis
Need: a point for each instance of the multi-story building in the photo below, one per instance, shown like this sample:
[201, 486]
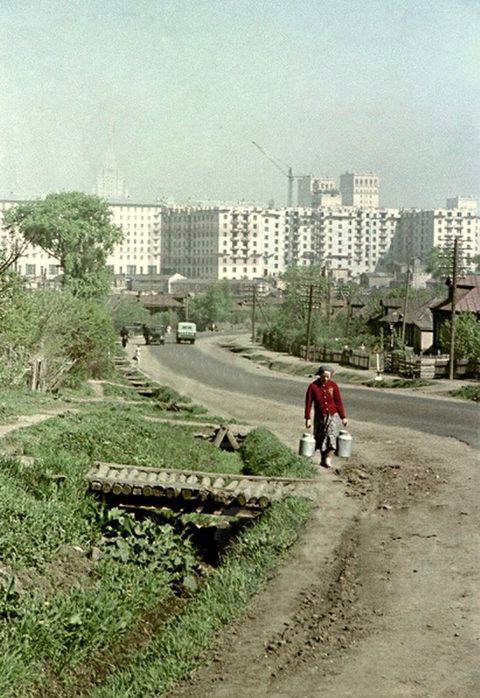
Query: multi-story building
[353, 240]
[361, 189]
[251, 242]
[310, 189]
[468, 203]
[138, 253]
[418, 231]
[234, 242]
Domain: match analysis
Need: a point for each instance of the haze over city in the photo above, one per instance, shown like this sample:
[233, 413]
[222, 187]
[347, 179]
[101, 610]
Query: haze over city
[326, 87]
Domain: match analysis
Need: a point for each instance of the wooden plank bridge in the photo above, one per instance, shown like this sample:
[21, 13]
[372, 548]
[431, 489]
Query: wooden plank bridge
[191, 490]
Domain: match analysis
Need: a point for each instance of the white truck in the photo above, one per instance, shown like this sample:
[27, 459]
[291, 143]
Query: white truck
[186, 332]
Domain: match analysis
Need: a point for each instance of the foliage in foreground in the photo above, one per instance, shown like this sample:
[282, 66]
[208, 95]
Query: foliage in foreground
[177, 650]
[58, 328]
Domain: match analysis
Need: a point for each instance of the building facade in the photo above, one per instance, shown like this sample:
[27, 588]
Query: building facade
[251, 242]
[234, 242]
[418, 231]
[310, 189]
[353, 239]
[360, 189]
[138, 253]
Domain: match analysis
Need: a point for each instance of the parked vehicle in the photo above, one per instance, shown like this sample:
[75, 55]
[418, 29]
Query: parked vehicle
[154, 334]
[186, 332]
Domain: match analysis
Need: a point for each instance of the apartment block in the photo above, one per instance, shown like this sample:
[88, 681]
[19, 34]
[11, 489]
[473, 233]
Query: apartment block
[352, 240]
[419, 231]
[360, 189]
[138, 253]
[243, 242]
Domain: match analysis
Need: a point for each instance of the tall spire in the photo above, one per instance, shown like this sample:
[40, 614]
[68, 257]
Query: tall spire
[110, 184]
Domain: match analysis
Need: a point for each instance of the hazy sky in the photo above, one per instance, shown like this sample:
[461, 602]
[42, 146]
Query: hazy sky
[391, 86]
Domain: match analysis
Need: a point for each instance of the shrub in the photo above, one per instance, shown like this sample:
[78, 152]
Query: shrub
[264, 454]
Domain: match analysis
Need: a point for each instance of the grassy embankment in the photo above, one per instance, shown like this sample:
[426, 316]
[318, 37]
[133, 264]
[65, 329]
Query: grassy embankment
[468, 392]
[308, 369]
[94, 602]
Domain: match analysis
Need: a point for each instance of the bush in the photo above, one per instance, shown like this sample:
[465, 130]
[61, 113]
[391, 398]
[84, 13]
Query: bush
[56, 327]
[264, 454]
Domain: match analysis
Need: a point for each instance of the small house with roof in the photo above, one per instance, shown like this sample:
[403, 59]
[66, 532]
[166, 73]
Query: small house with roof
[467, 301]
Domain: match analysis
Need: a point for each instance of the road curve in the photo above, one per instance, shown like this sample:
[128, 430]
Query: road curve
[442, 417]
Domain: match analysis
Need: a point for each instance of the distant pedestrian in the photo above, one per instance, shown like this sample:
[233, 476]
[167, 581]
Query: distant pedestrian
[329, 415]
[124, 336]
[136, 356]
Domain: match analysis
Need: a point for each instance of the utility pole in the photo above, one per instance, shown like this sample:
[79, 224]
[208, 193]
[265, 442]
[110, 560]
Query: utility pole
[405, 305]
[309, 320]
[327, 295]
[453, 321]
[254, 308]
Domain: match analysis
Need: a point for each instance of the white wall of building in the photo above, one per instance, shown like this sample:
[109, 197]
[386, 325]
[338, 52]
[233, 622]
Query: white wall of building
[420, 230]
[138, 253]
[360, 189]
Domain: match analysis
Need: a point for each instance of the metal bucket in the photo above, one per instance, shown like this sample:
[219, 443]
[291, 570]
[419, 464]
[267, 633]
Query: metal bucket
[307, 445]
[344, 444]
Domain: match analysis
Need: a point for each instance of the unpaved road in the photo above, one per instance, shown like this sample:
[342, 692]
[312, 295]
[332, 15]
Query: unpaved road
[379, 598]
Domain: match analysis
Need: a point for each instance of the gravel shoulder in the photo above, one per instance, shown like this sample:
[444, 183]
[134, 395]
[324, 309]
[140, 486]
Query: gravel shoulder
[379, 597]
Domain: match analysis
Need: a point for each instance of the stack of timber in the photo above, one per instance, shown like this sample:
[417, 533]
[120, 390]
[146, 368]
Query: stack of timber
[194, 490]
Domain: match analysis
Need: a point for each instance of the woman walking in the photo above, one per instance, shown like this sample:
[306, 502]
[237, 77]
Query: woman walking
[325, 396]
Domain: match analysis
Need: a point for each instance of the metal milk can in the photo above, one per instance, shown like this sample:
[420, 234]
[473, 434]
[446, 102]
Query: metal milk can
[307, 445]
[344, 444]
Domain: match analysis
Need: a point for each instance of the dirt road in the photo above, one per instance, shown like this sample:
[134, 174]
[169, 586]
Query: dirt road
[380, 596]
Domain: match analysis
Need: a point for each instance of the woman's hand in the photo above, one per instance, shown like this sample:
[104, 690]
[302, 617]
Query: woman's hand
[308, 423]
[345, 422]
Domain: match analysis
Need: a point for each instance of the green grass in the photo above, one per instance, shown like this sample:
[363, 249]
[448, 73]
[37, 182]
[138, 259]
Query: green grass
[468, 392]
[14, 402]
[264, 454]
[398, 383]
[175, 652]
[60, 621]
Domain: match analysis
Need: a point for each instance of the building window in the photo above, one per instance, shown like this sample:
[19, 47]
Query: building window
[131, 269]
[152, 269]
[30, 269]
[52, 269]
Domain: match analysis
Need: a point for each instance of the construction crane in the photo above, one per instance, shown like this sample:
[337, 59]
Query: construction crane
[284, 169]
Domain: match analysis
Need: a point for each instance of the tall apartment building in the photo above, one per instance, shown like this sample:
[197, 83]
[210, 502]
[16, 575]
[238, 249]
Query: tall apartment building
[310, 190]
[138, 253]
[361, 189]
[353, 240]
[234, 242]
[419, 231]
[250, 242]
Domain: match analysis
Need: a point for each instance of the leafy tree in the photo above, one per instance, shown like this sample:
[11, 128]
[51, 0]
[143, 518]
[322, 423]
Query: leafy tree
[75, 228]
[127, 311]
[212, 305]
[440, 262]
[467, 337]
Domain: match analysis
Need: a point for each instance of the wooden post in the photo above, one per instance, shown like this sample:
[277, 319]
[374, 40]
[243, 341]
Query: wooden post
[453, 321]
[405, 306]
[254, 308]
[309, 320]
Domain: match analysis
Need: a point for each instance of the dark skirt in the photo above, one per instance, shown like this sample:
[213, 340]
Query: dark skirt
[326, 429]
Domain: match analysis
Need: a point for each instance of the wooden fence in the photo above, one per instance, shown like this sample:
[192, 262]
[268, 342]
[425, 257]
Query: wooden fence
[429, 367]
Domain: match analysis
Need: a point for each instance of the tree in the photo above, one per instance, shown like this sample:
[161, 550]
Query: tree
[467, 337]
[128, 311]
[440, 262]
[212, 305]
[75, 228]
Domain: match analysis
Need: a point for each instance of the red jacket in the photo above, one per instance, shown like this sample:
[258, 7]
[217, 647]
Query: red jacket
[326, 399]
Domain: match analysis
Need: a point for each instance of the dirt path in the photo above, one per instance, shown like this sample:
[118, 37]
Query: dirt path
[379, 597]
